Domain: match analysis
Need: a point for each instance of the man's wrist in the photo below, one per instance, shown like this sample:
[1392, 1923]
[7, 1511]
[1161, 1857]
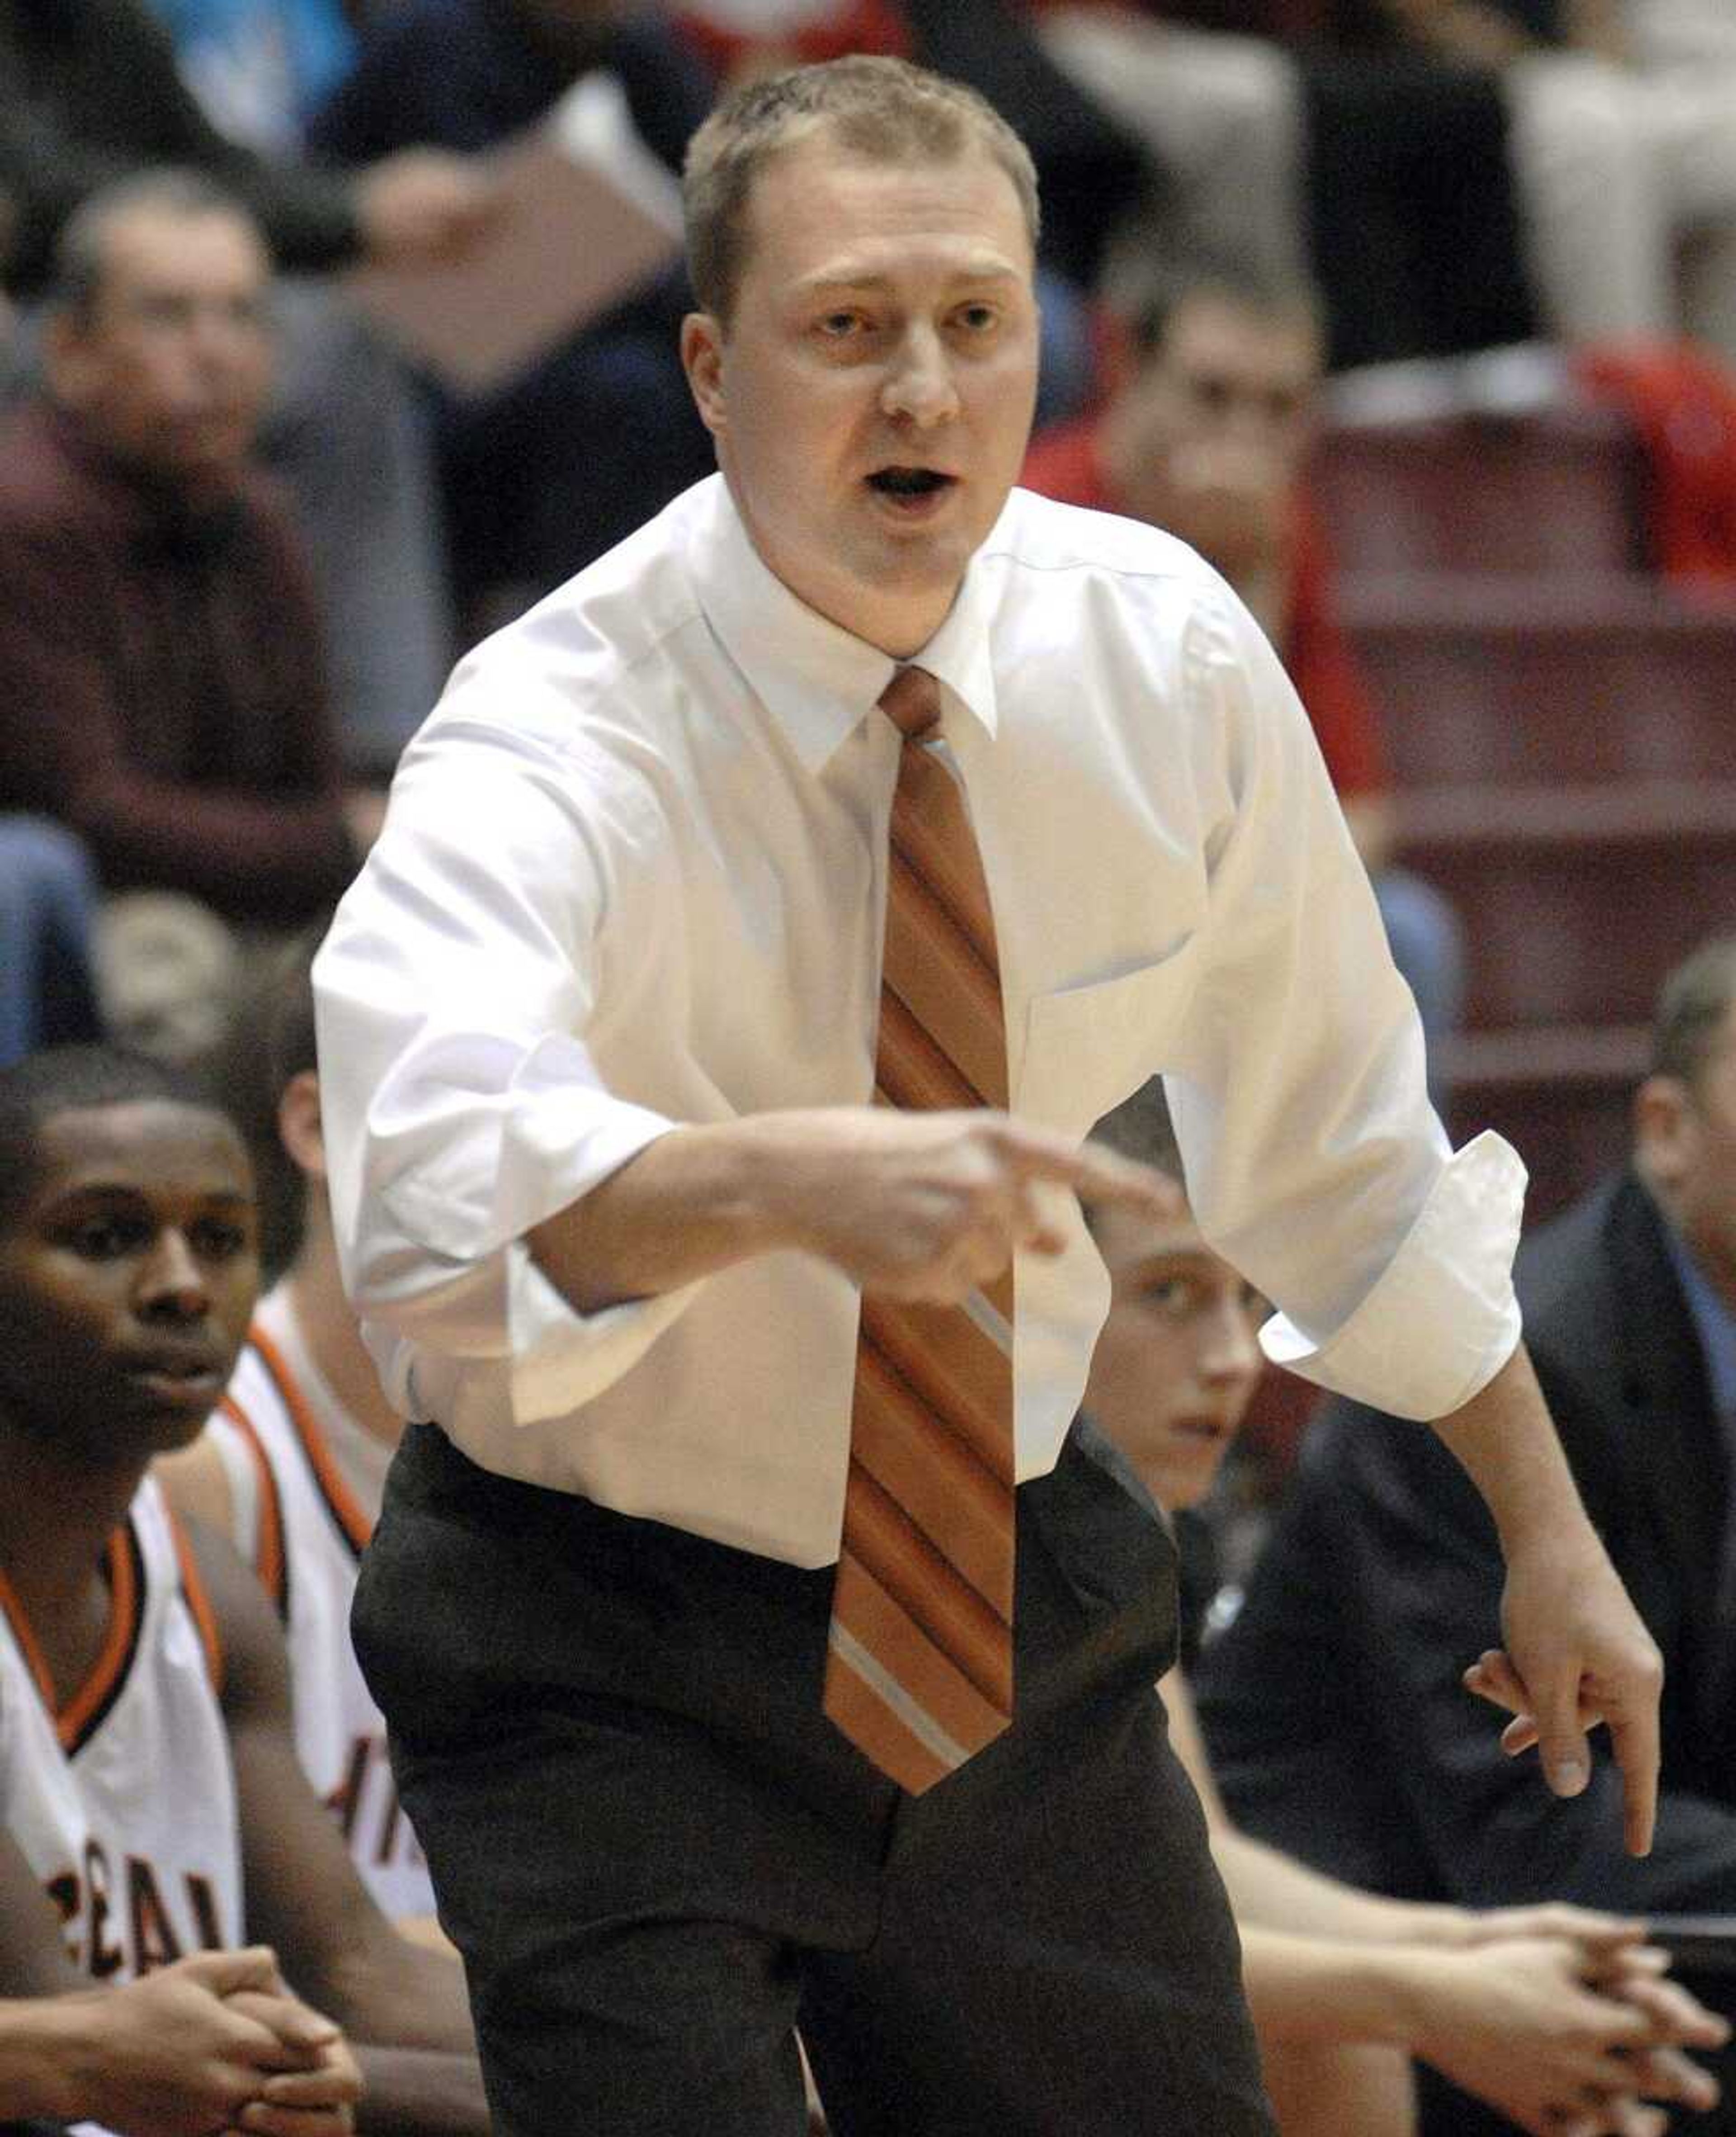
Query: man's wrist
[45, 2044]
[1505, 1440]
[1392, 1993]
[1433, 1925]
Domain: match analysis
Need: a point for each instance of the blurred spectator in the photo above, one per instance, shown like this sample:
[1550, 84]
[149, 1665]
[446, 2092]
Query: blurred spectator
[547, 472]
[158, 628]
[1382, 1768]
[47, 914]
[1624, 146]
[1222, 115]
[1386, 171]
[261, 67]
[92, 94]
[1208, 417]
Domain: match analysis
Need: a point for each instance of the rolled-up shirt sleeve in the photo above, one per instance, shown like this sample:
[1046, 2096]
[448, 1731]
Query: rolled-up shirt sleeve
[461, 1104]
[1314, 1161]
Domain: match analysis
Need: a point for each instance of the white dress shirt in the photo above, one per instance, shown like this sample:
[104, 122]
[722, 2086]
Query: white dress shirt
[634, 874]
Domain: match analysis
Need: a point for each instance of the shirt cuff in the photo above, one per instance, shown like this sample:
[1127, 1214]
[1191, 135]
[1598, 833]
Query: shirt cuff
[1443, 1319]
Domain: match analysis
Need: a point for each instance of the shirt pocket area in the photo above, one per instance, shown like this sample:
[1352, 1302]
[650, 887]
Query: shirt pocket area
[1088, 1048]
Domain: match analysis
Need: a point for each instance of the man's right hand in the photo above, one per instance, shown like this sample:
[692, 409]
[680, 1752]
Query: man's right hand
[912, 1205]
[931, 1206]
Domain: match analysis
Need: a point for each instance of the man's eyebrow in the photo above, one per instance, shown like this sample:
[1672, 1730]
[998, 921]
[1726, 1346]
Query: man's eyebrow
[128, 1191]
[1166, 1258]
[987, 269]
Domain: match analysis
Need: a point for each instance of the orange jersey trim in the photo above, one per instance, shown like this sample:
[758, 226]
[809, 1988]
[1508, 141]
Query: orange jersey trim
[198, 1602]
[23, 1633]
[87, 1705]
[346, 1509]
[270, 1557]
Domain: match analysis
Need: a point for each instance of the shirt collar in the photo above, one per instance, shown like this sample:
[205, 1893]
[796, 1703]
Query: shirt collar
[815, 678]
[1715, 1322]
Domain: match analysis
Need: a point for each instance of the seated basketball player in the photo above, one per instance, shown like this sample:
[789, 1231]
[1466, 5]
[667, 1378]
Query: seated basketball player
[147, 1771]
[1554, 2015]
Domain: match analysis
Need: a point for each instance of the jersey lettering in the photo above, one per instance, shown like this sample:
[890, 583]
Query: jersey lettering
[345, 1800]
[154, 1941]
[84, 1904]
[66, 1892]
[105, 1958]
[367, 1785]
[202, 1897]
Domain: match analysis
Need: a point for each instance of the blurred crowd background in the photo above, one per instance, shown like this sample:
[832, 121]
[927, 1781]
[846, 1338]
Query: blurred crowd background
[1417, 317]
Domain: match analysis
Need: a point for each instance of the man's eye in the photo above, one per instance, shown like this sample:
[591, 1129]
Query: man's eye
[106, 1238]
[839, 326]
[220, 1243]
[978, 319]
[1172, 1296]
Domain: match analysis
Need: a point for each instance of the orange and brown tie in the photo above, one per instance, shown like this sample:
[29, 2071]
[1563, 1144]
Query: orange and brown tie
[919, 1667]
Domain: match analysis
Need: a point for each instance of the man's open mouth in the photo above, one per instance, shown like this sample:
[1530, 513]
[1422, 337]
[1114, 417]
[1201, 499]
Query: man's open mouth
[908, 481]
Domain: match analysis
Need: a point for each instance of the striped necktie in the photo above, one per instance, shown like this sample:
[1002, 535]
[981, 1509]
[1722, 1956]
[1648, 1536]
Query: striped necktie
[919, 1667]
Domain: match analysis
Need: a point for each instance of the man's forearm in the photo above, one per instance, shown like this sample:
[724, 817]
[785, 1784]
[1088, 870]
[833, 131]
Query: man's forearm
[920, 1204]
[1311, 1988]
[419, 2092]
[687, 1205]
[1506, 1443]
[1269, 1891]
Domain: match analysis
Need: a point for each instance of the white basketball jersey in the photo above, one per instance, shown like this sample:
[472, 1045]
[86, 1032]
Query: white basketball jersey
[311, 1480]
[120, 1792]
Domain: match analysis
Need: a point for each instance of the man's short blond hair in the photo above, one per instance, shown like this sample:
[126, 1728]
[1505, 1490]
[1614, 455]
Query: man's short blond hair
[882, 110]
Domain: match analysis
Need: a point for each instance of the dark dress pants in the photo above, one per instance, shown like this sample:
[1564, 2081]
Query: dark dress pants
[658, 1858]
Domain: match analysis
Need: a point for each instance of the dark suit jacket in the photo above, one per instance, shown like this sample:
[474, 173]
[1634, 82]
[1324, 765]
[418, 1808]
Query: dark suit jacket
[1338, 1727]
[1337, 1724]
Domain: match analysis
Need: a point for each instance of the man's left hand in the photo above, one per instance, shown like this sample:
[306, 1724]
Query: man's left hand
[1577, 1655]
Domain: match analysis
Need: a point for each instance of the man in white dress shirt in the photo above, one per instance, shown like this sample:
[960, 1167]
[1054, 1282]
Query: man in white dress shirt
[598, 1028]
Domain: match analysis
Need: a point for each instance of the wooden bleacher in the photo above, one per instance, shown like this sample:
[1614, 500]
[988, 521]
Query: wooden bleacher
[1561, 728]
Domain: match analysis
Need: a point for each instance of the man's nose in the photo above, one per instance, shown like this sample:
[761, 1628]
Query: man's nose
[1231, 1350]
[220, 339]
[172, 1283]
[920, 388]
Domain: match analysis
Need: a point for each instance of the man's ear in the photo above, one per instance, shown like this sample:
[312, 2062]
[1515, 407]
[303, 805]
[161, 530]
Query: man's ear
[66, 360]
[298, 1124]
[1663, 1127]
[702, 358]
